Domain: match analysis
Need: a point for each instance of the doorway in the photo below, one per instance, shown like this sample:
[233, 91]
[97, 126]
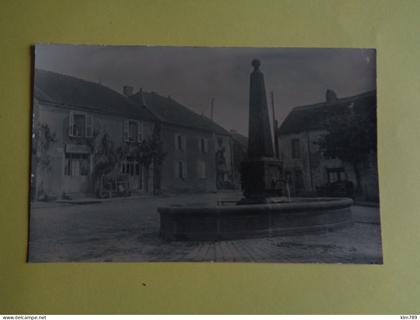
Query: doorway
[135, 172]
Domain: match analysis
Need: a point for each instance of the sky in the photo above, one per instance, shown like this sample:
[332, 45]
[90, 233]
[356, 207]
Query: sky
[195, 75]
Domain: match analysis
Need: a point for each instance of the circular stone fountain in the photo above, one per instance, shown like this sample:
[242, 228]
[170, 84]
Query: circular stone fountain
[255, 220]
[260, 213]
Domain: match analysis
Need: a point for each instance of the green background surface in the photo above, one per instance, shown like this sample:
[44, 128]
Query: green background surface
[390, 26]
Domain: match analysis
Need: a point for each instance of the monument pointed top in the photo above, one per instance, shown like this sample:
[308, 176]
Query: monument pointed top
[256, 64]
[259, 133]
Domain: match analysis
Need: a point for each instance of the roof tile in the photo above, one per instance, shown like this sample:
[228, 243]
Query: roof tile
[66, 90]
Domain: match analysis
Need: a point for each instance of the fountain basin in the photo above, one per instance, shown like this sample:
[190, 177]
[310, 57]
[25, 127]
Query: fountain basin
[254, 220]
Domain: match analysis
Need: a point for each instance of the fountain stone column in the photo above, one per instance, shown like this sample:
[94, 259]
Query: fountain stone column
[261, 213]
[261, 172]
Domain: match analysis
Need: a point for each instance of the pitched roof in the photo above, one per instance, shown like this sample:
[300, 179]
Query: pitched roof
[172, 112]
[241, 139]
[313, 117]
[69, 91]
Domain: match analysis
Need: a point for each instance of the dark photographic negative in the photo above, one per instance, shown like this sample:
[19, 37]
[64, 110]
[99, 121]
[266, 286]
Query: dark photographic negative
[204, 154]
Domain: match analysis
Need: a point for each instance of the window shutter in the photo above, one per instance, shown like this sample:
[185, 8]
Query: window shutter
[125, 130]
[184, 143]
[71, 124]
[89, 126]
[201, 168]
[206, 145]
[139, 131]
[184, 166]
[176, 142]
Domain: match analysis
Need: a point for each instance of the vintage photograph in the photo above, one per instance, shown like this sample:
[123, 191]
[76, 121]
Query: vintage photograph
[199, 154]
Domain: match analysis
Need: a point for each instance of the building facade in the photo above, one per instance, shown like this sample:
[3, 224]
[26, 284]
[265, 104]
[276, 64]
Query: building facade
[198, 152]
[89, 139]
[72, 119]
[305, 166]
[240, 154]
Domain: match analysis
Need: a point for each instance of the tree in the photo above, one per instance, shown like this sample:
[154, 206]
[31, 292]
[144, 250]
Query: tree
[149, 152]
[42, 140]
[351, 137]
[104, 160]
[158, 157]
[146, 152]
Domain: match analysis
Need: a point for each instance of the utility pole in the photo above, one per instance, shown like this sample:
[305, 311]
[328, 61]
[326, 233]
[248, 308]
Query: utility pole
[212, 109]
[276, 144]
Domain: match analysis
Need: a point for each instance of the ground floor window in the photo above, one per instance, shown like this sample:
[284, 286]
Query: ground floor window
[335, 174]
[201, 169]
[130, 167]
[77, 164]
[288, 177]
[180, 170]
[133, 169]
[299, 184]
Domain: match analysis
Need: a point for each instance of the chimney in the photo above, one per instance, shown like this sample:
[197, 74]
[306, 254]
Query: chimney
[128, 91]
[141, 98]
[330, 96]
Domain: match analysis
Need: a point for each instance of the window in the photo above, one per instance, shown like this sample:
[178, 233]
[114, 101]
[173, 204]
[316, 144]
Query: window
[133, 169]
[77, 164]
[180, 170]
[130, 167]
[220, 141]
[299, 184]
[203, 145]
[335, 174]
[201, 169]
[133, 131]
[180, 142]
[295, 148]
[80, 125]
[288, 176]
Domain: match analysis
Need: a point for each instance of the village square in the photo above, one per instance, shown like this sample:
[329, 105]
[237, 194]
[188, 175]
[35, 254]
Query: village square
[138, 176]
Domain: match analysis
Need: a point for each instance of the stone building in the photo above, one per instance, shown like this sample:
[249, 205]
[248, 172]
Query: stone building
[198, 151]
[70, 117]
[74, 119]
[305, 166]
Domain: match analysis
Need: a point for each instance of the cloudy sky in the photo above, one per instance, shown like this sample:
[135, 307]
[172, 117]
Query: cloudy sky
[193, 76]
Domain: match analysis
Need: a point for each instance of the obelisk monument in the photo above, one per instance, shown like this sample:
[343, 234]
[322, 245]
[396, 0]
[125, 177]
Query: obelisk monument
[261, 172]
[260, 143]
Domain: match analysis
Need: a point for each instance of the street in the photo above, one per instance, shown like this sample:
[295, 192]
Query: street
[127, 230]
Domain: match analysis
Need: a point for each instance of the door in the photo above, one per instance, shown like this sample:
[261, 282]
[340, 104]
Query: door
[134, 170]
[76, 173]
[299, 183]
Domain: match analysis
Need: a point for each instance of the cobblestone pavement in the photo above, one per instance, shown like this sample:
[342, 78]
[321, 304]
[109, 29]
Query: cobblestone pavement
[128, 230]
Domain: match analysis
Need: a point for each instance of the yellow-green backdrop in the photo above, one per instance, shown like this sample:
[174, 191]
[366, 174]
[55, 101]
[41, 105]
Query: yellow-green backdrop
[393, 27]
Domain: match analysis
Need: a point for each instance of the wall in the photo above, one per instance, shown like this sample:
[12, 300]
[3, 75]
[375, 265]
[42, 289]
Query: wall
[314, 165]
[53, 181]
[226, 178]
[192, 183]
